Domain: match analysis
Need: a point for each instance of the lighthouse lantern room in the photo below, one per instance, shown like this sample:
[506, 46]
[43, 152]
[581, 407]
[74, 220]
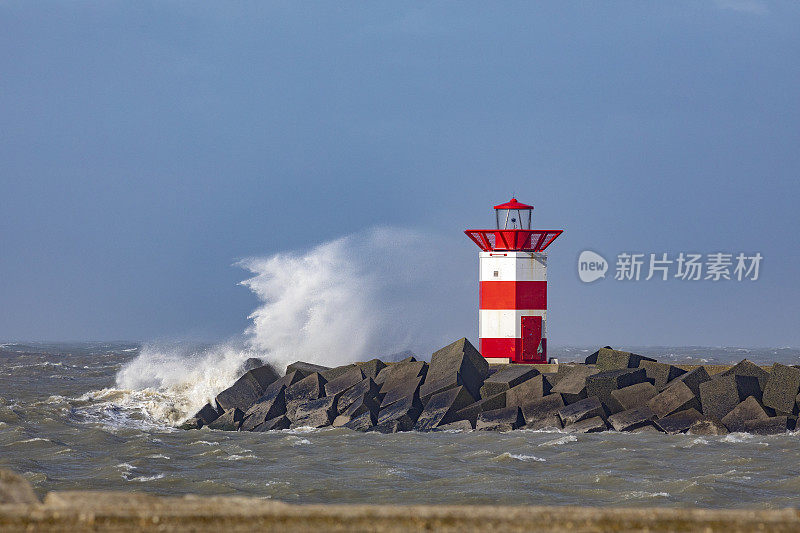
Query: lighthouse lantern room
[513, 286]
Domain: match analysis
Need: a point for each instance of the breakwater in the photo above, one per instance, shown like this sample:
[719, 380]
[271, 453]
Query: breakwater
[459, 390]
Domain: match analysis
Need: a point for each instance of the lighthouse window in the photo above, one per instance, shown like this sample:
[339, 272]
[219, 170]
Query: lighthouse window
[496, 274]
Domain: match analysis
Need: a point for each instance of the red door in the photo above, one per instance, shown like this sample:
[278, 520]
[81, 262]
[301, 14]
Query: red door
[532, 339]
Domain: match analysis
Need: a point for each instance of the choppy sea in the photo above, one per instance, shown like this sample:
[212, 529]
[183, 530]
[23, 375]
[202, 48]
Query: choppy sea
[67, 421]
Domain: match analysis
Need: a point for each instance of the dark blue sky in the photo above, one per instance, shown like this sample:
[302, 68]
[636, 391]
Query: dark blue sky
[147, 146]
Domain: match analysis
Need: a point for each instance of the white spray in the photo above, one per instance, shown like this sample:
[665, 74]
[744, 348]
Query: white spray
[371, 294]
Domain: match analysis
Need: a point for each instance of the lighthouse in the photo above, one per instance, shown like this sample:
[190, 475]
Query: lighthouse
[512, 315]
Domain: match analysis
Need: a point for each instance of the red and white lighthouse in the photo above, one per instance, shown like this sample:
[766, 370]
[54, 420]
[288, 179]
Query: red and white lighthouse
[513, 286]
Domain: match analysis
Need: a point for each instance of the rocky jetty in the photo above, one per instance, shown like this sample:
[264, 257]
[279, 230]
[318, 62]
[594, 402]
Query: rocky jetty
[458, 389]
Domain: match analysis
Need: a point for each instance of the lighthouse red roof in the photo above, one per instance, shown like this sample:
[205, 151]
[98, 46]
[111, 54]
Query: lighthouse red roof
[513, 204]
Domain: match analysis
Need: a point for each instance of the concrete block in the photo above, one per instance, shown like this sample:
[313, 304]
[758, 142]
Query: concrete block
[305, 369]
[601, 385]
[310, 387]
[572, 386]
[647, 429]
[526, 392]
[506, 378]
[660, 373]
[676, 397]
[363, 422]
[229, 421]
[357, 408]
[634, 396]
[265, 409]
[549, 379]
[680, 421]
[460, 357]
[589, 425]
[592, 359]
[692, 379]
[366, 388]
[398, 373]
[608, 359]
[315, 413]
[207, 414]
[338, 371]
[782, 387]
[371, 367]
[505, 419]
[191, 423]
[344, 381]
[274, 424]
[404, 412]
[543, 412]
[442, 408]
[289, 379]
[719, 396]
[291, 408]
[458, 425]
[631, 419]
[769, 426]
[429, 388]
[747, 410]
[410, 387]
[581, 410]
[745, 368]
[707, 427]
[471, 412]
[247, 389]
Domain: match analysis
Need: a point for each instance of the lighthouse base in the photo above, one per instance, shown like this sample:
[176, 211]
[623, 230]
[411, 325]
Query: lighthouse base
[530, 351]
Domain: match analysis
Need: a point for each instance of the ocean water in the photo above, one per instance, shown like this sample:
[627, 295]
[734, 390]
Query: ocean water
[102, 416]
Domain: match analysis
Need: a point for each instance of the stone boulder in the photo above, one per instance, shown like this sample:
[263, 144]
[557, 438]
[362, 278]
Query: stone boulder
[581, 410]
[506, 378]
[505, 419]
[676, 397]
[247, 389]
[228, 421]
[442, 408]
[634, 396]
[782, 388]
[747, 410]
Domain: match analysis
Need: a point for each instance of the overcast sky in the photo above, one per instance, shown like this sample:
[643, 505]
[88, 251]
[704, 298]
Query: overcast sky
[145, 147]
